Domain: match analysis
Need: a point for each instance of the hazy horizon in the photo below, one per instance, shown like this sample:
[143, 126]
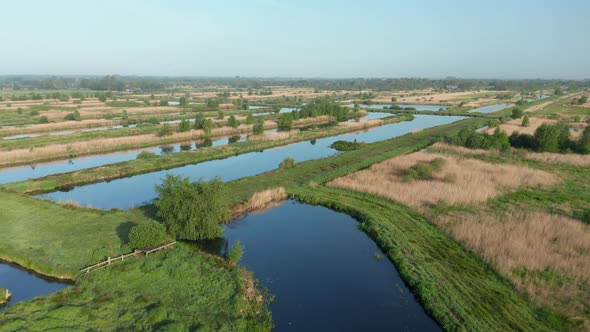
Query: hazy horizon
[282, 39]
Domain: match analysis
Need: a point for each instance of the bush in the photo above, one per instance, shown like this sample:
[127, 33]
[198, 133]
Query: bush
[258, 127]
[75, 116]
[150, 234]
[165, 130]
[236, 252]
[185, 125]
[233, 122]
[516, 113]
[287, 163]
[525, 121]
[346, 146]
[424, 171]
[285, 121]
[43, 119]
[146, 155]
[250, 118]
[192, 211]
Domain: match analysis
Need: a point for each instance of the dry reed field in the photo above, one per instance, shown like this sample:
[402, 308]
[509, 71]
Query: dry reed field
[570, 158]
[107, 144]
[58, 126]
[274, 136]
[516, 126]
[262, 199]
[459, 181]
[545, 256]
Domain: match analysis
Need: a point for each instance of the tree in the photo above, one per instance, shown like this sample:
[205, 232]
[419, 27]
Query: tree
[165, 130]
[236, 252]
[102, 98]
[233, 122]
[550, 137]
[192, 211]
[582, 100]
[150, 234]
[250, 118]
[525, 121]
[184, 125]
[43, 119]
[285, 121]
[125, 115]
[182, 102]
[258, 127]
[207, 126]
[516, 113]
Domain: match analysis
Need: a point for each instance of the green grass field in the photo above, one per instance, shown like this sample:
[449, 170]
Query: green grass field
[173, 290]
[59, 241]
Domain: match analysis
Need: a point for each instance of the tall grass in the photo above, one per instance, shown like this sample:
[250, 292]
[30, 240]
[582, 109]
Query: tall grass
[457, 181]
[262, 199]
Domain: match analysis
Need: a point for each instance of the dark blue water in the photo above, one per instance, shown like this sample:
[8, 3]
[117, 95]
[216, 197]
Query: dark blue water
[491, 108]
[25, 285]
[418, 107]
[324, 272]
[21, 173]
[137, 190]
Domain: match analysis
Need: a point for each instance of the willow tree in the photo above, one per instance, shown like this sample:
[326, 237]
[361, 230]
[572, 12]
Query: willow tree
[192, 211]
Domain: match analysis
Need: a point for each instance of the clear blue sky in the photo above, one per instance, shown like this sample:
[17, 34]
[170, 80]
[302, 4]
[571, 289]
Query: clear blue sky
[298, 38]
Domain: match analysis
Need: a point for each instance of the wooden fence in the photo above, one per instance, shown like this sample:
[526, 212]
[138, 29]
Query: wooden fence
[121, 258]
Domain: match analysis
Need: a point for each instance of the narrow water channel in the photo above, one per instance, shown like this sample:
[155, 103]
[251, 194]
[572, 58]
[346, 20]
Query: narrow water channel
[137, 190]
[326, 274]
[25, 285]
[20, 173]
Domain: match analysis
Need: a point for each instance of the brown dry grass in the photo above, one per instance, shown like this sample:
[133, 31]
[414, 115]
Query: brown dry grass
[58, 126]
[263, 199]
[570, 158]
[107, 145]
[459, 181]
[516, 125]
[553, 250]
[274, 136]
[534, 240]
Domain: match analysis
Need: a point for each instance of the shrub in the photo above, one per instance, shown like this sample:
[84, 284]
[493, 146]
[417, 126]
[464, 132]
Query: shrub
[516, 113]
[525, 121]
[424, 171]
[150, 234]
[236, 252]
[250, 119]
[285, 121]
[185, 125]
[152, 120]
[258, 127]
[346, 146]
[146, 155]
[43, 119]
[192, 211]
[233, 122]
[75, 116]
[165, 130]
[287, 163]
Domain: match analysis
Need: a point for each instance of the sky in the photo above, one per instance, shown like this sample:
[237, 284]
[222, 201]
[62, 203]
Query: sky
[506, 39]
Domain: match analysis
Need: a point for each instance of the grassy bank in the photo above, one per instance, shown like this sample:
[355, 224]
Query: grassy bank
[58, 241]
[174, 290]
[455, 286]
[322, 170]
[140, 166]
